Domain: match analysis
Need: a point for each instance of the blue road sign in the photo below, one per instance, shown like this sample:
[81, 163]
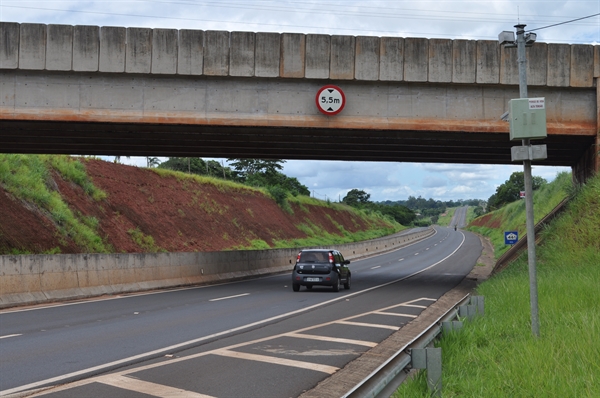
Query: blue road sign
[511, 237]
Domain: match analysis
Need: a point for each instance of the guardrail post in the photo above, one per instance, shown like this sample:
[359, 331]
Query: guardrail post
[431, 360]
[452, 326]
[475, 307]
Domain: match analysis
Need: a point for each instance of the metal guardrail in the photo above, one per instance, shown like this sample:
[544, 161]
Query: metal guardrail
[514, 252]
[386, 379]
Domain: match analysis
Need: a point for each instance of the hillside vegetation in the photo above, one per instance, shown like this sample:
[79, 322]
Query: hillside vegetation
[62, 204]
[497, 355]
[512, 216]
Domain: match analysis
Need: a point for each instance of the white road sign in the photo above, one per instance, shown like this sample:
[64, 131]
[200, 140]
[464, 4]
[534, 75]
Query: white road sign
[330, 100]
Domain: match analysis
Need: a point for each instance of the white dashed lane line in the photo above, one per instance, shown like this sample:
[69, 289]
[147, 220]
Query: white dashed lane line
[230, 297]
[10, 335]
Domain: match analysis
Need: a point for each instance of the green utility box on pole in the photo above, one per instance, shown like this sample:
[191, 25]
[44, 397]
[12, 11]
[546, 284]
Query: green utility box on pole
[527, 118]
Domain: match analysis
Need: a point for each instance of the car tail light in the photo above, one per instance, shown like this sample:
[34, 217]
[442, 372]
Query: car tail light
[298, 257]
[331, 258]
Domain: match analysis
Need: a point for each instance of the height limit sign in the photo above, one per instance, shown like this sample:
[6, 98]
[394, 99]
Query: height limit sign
[330, 100]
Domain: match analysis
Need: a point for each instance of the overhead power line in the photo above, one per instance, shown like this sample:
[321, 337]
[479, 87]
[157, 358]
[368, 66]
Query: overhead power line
[562, 23]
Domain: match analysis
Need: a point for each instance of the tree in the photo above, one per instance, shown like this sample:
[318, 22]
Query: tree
[197, 166]
[510, 190]
[247, 167]
[152, 161]
[356, 197]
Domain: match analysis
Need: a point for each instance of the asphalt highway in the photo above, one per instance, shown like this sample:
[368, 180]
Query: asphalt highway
[251, 338]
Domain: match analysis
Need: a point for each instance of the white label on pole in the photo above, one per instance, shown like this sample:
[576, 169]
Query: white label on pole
[537, 103]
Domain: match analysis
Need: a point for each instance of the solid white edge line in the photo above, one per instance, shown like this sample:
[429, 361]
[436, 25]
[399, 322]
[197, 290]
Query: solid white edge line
[10, 335]
[225, 332]
[230, 297]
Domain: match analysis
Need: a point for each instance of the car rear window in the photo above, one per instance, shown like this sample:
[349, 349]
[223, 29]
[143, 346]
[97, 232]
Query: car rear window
[314, 257]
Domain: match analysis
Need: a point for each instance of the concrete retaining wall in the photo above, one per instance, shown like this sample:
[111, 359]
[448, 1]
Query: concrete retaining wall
[31, 279]
[289, 55]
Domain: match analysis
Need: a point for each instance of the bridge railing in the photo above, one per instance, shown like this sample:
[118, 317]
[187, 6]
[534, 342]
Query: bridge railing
[289, 55]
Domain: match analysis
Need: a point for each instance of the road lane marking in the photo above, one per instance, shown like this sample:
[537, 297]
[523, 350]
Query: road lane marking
[369, 325]
[415, 306]
[278, 361]
[230, 297]
[129, 360]
[379, 266]
[395, 314]
[416, 254]
[333, 339]
[401, 260]
[149, 388]
[10, 335]
[138, 369]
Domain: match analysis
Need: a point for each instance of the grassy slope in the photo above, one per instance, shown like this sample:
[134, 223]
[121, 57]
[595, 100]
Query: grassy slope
[497, 356]
[512, 216]
[28, 177]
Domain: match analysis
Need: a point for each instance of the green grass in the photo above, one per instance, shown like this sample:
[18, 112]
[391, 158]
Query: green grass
[220, 184]
[444, 221]
[146, 242]
[28, 178]
[497, 356]
[513, 215]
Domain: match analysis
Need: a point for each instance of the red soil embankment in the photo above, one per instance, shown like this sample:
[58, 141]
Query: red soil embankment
[179, 214]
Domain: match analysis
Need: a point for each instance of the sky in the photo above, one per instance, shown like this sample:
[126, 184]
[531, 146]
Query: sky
[450, 19]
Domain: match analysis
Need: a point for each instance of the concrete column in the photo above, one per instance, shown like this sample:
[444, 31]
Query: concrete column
[164, 51]
[293, 51]
[537, 64]
[59, 47]
[138, 53]
[596, 62]
[190, 58]
[342, 57]
[241, 58]
[318, 55]
[559, 65]
[32, 46]
[582, 65]
[112, 49]
[488, 62]
[86, 48]
[509, 71]
[216, 53]
[440, 61]
[366, 60]
[597, 149]
[416, 59]
[268, 54]
[464, 61]
[391, 59]
[9, 50]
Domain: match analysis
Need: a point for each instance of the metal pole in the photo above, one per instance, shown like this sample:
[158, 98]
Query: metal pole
[533, 294]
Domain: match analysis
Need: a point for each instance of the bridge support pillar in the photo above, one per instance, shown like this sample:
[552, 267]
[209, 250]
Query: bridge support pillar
[589, 164]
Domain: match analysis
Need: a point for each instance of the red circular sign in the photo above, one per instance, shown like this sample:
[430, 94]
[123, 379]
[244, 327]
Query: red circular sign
[330, 100]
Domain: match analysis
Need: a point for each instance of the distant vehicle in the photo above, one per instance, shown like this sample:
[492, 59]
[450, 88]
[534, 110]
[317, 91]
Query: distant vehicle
[321, 267]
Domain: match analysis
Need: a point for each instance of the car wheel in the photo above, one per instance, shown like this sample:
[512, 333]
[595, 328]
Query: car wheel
[295, 287]
[337, 284]
[347, 284]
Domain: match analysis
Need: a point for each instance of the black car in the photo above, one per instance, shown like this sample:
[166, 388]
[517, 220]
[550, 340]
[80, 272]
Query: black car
[321, 267]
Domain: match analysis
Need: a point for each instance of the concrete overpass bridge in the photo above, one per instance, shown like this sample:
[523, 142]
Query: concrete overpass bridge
[162, 92]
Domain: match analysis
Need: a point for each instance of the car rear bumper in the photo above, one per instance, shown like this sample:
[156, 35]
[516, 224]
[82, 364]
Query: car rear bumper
[315, 279]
